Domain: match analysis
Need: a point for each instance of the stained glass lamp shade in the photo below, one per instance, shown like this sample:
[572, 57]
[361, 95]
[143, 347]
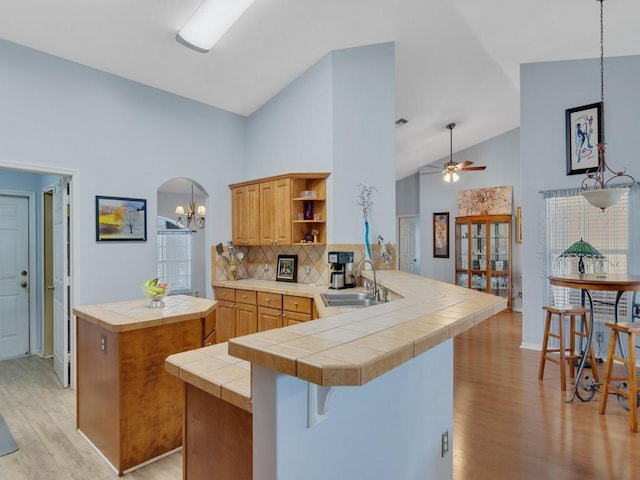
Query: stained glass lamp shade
[582, 249]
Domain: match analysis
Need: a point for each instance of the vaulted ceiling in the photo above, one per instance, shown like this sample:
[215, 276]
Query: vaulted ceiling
[456, 60]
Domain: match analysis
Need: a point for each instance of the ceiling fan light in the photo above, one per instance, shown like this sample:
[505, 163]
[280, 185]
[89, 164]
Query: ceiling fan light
[455, 177]
[447, 177]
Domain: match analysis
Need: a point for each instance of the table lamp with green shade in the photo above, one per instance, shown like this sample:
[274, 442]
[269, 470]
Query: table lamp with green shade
[582, 249]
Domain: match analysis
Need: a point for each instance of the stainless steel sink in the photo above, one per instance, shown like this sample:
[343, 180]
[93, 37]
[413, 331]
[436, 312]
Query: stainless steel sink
[348, 300]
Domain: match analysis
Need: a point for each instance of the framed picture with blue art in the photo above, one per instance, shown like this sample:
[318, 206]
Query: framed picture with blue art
[584, 132]
[121, 219]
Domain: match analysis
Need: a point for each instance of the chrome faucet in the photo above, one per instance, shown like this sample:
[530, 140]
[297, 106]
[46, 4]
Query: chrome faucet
[374, 293]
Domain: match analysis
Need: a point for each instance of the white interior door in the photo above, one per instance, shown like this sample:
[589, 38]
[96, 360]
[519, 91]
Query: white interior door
[61, 321]
[14, 276]
[409, 251]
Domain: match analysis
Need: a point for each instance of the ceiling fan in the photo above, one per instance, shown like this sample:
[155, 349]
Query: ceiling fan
[451, 168]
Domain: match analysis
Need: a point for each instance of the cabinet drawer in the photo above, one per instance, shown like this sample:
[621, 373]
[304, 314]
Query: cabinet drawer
[246, 296]
[291, 318]
[297, 304]
[270, 300]
[223, 293]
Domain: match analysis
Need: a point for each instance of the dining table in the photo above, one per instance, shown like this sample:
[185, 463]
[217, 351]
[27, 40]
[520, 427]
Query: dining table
[587, 283]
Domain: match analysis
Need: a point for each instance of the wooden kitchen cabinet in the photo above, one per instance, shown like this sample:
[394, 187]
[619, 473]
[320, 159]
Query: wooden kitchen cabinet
[235, 317]
[269, 311]
[483, 254]
[271, 211]
[296, 310]
[256, 311]
[275, 212]
[245, 218]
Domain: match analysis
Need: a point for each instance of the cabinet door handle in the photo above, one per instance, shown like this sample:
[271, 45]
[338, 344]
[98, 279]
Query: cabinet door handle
[296, 304]
[268, 299]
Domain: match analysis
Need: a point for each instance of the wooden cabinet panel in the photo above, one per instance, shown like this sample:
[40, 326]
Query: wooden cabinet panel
[245, 215]
[269, 318]
[218, 438]
[297, 304]
[128, 406]
[222, 293]
[246, 319]
[246, 296]
[270, 300]
[275, 212]
[209, 325]
[291, 318]
[226, 321]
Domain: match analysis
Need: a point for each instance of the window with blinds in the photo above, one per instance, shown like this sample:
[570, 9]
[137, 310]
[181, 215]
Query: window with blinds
[571, 218]
[174, 255]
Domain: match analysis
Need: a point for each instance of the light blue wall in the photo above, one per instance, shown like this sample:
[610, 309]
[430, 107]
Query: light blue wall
[547, 90]
[122, 139]
[389, 428]
[336, 117]
[408, 195]
[364, 141]
[293, 132]
[501, 155]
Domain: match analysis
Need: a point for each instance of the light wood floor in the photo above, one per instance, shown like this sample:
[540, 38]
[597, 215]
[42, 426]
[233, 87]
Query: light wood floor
[507, 425]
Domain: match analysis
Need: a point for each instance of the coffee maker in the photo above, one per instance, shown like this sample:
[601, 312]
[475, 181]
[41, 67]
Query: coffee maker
[341, 270]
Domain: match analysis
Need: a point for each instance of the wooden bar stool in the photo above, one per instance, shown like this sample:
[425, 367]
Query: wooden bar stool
[565, 354]
[631, 393]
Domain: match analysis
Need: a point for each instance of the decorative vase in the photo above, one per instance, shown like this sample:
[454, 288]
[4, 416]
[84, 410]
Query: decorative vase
[308, 210]
[366, 239]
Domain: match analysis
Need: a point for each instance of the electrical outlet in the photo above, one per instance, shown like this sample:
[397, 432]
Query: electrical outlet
[103, 344]
[445, 442]
[266, 267]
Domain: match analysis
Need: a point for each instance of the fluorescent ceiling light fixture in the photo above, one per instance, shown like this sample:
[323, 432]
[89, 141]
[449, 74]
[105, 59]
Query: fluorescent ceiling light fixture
[210, 22]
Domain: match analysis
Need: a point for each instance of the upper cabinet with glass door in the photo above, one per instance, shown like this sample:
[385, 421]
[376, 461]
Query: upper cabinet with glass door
[483, 254]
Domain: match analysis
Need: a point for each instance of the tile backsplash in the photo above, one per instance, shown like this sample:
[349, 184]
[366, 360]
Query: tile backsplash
[260, 262]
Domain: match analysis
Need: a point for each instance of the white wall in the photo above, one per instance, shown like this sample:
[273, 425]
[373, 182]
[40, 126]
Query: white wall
[501, 155]
[547, 90]
[122, 139]
[338, 117]
[389, 428]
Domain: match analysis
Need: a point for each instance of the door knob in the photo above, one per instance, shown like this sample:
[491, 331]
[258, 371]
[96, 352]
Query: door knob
[23, 273]
[50, 287]
[23, 284]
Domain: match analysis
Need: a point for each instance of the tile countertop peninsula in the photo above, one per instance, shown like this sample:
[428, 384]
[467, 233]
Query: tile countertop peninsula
[351, 347]
[252, 379]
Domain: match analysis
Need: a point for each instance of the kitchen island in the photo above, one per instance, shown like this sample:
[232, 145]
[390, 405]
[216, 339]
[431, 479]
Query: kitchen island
[128, 407]
[359, 393]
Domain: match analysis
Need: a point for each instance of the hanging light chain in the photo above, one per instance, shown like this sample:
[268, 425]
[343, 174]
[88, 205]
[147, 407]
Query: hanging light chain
[602, 64]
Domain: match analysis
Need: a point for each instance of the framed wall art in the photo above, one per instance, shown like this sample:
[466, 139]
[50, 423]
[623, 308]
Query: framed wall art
[584, 132]
[441, 235]
[287, 270]
[518, 224]
[121, 219]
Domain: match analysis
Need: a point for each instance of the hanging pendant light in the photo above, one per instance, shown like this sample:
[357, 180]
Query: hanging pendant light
[597, 190]
[451, 167]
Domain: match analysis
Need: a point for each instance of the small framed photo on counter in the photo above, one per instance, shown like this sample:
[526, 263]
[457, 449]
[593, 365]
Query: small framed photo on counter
[287, 270]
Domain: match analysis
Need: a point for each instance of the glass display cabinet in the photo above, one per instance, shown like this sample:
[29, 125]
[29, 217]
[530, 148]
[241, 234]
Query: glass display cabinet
[483, 254]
